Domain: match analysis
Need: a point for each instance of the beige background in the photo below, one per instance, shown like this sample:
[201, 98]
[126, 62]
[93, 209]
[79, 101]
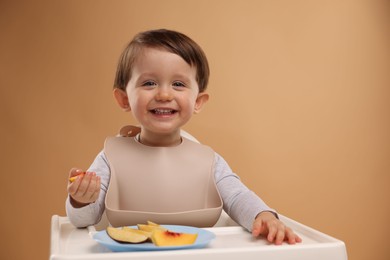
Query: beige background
[300, 106]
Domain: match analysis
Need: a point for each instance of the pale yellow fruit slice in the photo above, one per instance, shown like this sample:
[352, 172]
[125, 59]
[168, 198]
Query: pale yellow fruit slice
[150, 223]
[123, 235]
[138, 231]
[150, 228]
[72, 179]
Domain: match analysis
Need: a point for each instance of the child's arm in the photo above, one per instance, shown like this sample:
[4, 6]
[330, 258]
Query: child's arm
[248, 209]
[239, 202]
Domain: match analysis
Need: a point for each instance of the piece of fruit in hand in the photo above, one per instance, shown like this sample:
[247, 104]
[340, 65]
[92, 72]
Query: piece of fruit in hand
[72, 179]
[169, 238]
[126, 235]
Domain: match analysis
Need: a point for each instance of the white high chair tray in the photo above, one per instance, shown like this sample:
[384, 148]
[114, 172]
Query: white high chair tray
[68, 242]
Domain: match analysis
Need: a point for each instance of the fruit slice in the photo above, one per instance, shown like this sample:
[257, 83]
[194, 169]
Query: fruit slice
[123, 235]
[150, 223]
[169, 238]
[72, 179]
[150, 228]
[138, 231]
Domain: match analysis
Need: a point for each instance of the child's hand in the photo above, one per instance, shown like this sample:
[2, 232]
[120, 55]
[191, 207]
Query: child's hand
[273, 229]
[84, 189]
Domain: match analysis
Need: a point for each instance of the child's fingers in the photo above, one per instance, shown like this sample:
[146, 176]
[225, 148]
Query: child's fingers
[279, 236]
[74, 172]
[84, 188]
[84, 182]
[95, 194]
[73, 186]
[91, 191]
[272, 231]
[282, 233]
[291, 237]
[257, 228]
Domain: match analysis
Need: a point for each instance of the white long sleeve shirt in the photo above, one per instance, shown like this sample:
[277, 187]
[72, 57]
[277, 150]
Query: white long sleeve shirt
[240, 203]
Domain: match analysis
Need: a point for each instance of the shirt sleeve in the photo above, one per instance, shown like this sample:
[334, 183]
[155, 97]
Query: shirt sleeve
[92, 213]
[239, 202]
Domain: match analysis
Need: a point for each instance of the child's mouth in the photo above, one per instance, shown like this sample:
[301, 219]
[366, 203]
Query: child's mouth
[159, 111]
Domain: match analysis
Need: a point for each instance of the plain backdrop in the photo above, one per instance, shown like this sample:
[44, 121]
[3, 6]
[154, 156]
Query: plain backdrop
[299, 107]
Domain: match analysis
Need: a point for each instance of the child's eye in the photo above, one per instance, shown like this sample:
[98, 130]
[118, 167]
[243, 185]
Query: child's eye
[149, 83]
[178, 84]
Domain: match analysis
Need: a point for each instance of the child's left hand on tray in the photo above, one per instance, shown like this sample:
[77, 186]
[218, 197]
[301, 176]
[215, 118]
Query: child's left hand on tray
[273, 229]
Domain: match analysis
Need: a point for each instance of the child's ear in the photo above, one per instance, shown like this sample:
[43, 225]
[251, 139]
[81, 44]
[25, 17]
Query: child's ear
[200, 101]
[122, 99]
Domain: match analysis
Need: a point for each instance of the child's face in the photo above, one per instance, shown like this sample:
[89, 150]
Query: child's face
[162, 94]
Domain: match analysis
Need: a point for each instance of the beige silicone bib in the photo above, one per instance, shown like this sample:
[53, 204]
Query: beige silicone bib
[166, 185]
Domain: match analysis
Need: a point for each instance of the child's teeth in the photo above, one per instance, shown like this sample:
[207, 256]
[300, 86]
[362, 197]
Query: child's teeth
[163, 111]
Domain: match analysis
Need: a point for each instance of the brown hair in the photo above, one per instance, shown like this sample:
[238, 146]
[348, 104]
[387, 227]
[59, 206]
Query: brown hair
[172, 41]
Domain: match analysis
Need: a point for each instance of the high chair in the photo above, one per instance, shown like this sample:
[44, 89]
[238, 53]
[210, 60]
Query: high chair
[231, 242]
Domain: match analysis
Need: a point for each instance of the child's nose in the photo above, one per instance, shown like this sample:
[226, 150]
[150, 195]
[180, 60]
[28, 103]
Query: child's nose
[164, 94]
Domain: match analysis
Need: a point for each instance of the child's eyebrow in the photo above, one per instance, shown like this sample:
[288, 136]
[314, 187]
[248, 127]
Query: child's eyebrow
[181, 77]
[146, 76]
[176, 76]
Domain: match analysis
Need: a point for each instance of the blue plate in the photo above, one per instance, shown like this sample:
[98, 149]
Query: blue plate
[204, 237]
